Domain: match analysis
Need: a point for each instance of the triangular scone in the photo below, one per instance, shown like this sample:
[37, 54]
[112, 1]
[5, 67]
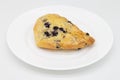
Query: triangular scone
[52, 31]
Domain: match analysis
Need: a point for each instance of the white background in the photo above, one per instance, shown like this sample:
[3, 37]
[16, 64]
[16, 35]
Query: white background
[12, 68]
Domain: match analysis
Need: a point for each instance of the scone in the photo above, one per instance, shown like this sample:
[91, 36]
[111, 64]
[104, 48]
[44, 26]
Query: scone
[52, 31]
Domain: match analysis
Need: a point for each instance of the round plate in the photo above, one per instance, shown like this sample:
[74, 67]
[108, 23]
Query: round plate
[20, 39]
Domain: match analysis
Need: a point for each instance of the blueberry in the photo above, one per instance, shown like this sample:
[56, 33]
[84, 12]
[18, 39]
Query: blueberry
[57, 47]
[55, 28]
[64, 31]
[61, 29]
[69, 22]
[54, 33]
[47, 24]
[47, 34]
[79, 48]
[87, 34]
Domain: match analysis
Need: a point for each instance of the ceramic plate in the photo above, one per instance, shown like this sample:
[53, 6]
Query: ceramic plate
[20, 39]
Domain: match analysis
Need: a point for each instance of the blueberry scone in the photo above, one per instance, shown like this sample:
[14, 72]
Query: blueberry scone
[52, 31]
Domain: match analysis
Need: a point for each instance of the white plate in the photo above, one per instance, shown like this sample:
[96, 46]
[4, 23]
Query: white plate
[21, 40]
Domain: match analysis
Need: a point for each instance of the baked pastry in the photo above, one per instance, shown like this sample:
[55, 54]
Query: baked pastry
[52, 31]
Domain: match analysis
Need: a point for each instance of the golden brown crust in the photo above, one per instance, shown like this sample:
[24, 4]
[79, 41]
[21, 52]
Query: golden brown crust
[65, 36]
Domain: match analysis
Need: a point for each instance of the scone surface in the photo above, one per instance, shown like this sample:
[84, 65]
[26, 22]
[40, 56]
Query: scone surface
[52, 31]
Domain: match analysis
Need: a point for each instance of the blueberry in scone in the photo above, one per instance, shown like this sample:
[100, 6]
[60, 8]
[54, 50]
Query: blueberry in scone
[47, 24]
[53, 31]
